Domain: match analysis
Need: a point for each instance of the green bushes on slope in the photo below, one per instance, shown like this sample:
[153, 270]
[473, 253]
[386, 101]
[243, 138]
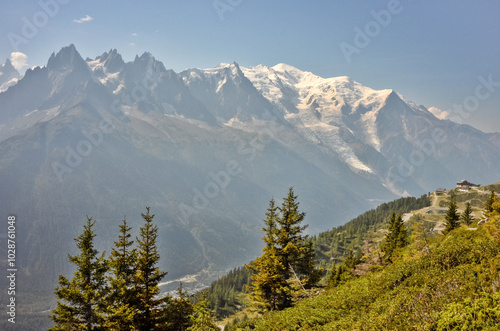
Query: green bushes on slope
[454, 287]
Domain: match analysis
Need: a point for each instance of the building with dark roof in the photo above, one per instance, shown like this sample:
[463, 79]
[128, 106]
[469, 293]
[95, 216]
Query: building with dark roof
[464, 185]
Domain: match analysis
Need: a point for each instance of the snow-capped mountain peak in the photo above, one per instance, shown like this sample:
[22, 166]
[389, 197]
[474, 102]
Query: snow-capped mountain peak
[107, 68]
[107, 62]
[293, 75]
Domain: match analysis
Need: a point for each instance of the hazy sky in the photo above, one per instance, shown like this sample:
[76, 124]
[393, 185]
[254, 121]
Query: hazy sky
[441, 54]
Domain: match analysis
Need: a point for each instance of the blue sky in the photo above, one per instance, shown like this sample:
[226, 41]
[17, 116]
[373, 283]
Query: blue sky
[441, 54]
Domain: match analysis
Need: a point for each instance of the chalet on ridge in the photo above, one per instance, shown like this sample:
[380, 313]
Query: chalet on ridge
[464, 185]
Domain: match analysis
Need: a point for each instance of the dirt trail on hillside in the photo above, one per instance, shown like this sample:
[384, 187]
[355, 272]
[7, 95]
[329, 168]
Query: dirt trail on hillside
[434, 200]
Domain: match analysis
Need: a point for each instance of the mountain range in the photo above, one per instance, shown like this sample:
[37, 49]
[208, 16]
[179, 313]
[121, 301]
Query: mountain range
[207, 149]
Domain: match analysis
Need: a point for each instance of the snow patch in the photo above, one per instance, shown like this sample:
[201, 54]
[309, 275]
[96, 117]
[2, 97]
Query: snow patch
[319, 102]
[5, 86]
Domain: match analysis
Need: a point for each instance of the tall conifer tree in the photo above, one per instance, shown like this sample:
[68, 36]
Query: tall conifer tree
[122, 300]
[202, 318]
[488, 206]
[270, 230]
[268, 282]
[148, 276]
[290, 237]
[452, 217]
[297, 254]
[80, 304]
[287, 256]
[397, 236]
[466, 217]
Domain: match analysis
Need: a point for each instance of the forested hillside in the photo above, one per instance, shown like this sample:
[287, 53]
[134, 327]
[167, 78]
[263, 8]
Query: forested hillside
[334, 245]
[227, 295]
[440, 277]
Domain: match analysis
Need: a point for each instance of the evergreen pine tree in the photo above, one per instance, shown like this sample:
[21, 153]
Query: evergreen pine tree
[452, 217]
[339, 275]
[306, 266]
[402, 238]
[269, 288]
[419, 237]
[296, 252]
[122, 303]
[268, 281]
[466, 217]
[270, 230]
[148, 276]
[80, 302]
[177, 311]
[350, 261]
[488, 206]
[290, 237]
[495, 214]
[202, 318]
[334, 278]
[396, 238]
[288, 256]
